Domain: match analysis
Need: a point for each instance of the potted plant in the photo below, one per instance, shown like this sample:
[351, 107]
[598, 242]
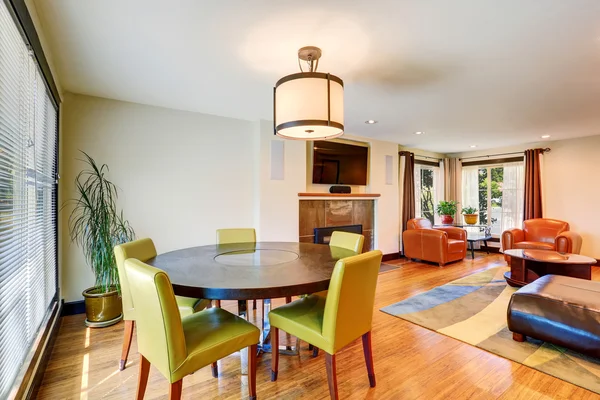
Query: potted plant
[447, 210]
[96, 226]
[470, 215]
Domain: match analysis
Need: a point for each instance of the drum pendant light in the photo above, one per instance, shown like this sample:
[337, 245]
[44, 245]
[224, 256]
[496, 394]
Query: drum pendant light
[309, 105]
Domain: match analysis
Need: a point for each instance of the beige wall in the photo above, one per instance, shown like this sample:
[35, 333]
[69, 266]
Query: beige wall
[570, 185]
[181, 175]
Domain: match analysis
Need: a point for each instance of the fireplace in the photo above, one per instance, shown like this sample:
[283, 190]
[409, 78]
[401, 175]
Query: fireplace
[316, 214]
[323, 235]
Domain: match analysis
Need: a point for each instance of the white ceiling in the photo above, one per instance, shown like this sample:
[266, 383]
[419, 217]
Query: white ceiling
[489, 73]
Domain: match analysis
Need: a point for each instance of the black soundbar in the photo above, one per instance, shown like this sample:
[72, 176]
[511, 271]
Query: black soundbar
[339, 189]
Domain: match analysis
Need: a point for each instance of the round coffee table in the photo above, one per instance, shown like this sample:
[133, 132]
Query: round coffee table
[527, 265]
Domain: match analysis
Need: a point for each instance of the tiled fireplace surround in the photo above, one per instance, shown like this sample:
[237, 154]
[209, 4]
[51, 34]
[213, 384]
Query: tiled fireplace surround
[327, 213]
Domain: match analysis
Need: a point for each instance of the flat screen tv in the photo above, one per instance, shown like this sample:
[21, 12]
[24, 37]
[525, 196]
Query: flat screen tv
[339, 163]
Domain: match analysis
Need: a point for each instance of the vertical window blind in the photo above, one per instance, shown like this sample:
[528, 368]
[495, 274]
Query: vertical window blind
[28, 196]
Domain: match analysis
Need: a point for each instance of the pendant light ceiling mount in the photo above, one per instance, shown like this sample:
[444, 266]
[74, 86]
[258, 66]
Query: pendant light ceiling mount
[309, 105]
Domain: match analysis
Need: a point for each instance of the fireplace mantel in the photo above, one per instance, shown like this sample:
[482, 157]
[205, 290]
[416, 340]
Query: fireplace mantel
[341, 195]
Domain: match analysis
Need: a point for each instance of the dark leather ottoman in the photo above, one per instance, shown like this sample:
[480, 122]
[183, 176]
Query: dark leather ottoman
[558, 309]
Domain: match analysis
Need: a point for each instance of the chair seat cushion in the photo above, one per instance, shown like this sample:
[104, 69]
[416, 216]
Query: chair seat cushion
[303, 318]
[455, 246]
[189, 305]
[560, 310]
[534, 245]
[211, 335]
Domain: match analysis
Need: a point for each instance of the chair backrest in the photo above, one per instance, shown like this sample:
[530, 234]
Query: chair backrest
[347, 240]
[349, 306]
[236, 235]
[543, 229]
[160, 336]
[418, 223]
[141, 249]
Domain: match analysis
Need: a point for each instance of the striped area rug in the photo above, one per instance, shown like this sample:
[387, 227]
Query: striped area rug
[473, 310]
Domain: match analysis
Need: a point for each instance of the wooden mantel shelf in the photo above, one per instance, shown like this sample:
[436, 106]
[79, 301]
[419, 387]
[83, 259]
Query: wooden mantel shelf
[339, 195]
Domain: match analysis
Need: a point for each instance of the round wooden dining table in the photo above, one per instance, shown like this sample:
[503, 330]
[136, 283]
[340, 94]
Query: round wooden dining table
[248, 271]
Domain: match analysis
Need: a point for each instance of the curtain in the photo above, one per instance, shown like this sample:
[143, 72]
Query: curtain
[533, 185]
[512, 196]
[452, 181]
[438, 194]
[408, 188]
[470, 187]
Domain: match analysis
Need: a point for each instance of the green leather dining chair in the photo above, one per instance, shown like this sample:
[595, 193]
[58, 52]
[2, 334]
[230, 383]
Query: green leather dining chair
[236, 235]
[330, 323]
[143, 250]
[347, 240]
[179, 347]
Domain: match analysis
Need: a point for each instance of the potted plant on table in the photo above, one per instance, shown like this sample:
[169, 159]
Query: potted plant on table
[96, 226]
[447, 210]
[470, 215]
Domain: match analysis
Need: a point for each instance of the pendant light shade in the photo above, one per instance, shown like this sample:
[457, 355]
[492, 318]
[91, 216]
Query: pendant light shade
[309, 105]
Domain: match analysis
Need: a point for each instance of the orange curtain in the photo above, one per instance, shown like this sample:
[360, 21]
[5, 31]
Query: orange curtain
[533, 185]
[408, 197]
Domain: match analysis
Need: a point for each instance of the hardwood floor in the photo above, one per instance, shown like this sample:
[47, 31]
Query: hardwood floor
[410, 362]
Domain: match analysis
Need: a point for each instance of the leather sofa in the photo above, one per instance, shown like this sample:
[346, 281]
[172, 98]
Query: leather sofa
[439, 245]
[558, 309]
[543, 234]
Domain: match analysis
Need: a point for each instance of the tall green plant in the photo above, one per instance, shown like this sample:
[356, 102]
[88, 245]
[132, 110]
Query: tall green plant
[96, 226]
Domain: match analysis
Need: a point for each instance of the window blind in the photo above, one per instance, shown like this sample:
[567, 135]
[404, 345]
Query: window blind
[28, 194]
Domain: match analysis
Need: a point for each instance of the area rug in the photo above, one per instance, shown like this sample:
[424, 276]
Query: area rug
[473, 310]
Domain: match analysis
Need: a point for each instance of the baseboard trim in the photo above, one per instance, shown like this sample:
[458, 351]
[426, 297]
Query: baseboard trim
[390, 257]
[73, 308]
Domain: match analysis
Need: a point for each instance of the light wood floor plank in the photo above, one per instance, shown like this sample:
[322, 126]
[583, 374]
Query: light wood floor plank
[411, 362]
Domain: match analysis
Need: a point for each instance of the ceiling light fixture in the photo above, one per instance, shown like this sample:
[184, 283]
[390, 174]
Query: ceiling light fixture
[473, 146]
[545, 136]
[370, 121]
[418, 133]
[309, 105]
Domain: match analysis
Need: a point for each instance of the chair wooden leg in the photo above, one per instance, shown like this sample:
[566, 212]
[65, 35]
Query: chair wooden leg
[518, 337]
[127, 335]
[288, 300]
[215, 369]
[175, 390]
[368, 350]
[218, 303]
[252, 371]
[274, 353]
[331, 375]
[254, 304]
[142, 377]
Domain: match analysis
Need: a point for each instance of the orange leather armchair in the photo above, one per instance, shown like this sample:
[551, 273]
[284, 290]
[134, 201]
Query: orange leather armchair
[543, 234]
[439, 245]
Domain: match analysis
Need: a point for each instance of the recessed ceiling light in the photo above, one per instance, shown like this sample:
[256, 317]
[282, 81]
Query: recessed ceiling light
[545, 136]
[418, 133]
[473, 146]
[370, 122]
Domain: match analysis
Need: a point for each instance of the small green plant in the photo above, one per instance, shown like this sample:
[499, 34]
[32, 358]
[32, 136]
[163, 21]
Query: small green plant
[447, 207]
[469, 210]
[96, 226]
